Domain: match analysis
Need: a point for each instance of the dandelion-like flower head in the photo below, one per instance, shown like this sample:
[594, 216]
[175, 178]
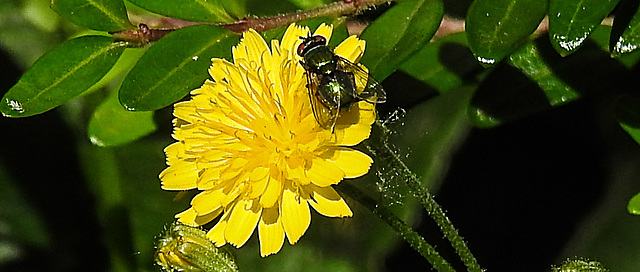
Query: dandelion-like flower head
[249, 142]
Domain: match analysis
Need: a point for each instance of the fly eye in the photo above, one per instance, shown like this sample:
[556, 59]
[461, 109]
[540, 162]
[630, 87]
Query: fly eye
[301, 48]
[319, 38]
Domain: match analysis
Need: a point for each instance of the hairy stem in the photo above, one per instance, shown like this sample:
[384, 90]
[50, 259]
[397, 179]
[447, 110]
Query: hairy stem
[414, 239]
[430, 205]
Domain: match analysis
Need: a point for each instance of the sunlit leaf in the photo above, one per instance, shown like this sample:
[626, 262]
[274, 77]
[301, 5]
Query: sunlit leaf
[495, 28]
[191, 10]
[398, 33]
[111, 124]
[625, 36]
[106, 15]
[634, 205]
[61, 75]
[169, 70]
[538, 78]
[572, 21]
[442, 64]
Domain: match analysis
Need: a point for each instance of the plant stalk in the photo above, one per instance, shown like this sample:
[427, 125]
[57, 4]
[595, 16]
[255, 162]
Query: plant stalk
[414, 239]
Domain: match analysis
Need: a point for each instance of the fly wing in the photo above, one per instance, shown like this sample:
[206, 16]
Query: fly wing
[324, 114]
[372, 91]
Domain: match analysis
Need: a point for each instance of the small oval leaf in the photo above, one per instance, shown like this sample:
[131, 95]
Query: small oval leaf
[105, 15]
[112, 125]
[634, 205]
[191, 10]
[61, 74]
[398, 33]
[174, 66]
[495, 28]
[625, 35]
[572, 21]
[537, 79]
[627, 111]
[442, 64]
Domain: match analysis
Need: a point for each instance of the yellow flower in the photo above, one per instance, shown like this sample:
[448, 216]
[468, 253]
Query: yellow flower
[249, 142]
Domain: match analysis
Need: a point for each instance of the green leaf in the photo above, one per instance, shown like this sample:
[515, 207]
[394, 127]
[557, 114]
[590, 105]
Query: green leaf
[442, 64]
[61, 75]
[625, 36]
[495, 28]
[174, 66]
[572, 21]
[398, 33]
[627, 110]
[634, 205]
[112, 125]
[191, 10]
[105, 15]
[538, 79]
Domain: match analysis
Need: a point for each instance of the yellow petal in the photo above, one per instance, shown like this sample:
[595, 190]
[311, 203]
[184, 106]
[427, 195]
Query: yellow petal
[354, 126]
[243, 220]
[270, 232]
[272, 193]
[251, 47]
[296, 216]
[291, 38]
[216, 234]
[324, 30]
[207, 201]
[352, 162]
[191, 218]
[324, 173]
[259, 180]
[352, 49]
[181, 175]
[219, 69]
[328, 202]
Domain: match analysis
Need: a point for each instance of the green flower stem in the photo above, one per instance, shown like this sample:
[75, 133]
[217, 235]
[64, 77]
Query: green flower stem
[416, 241]
[429, 204]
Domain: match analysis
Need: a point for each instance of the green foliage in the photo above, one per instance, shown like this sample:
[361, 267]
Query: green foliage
[625, 35]
[496, 28]
[61, 75]
[176, 70]
[503, 70]
[572, 21]
[191, 10]
[406, 27]
[106, 15]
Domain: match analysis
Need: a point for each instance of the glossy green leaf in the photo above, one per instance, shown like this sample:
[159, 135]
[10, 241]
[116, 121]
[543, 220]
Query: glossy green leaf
[572, 21]
[442, 64]
[398, 33]
[105, 15]
[174, 66]
[538, 78]
[634, 205]
[61, 75]
[495, 28]
[627, 112]
[191, 10]
[112, 125]
[308, 4]
[625, 36]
